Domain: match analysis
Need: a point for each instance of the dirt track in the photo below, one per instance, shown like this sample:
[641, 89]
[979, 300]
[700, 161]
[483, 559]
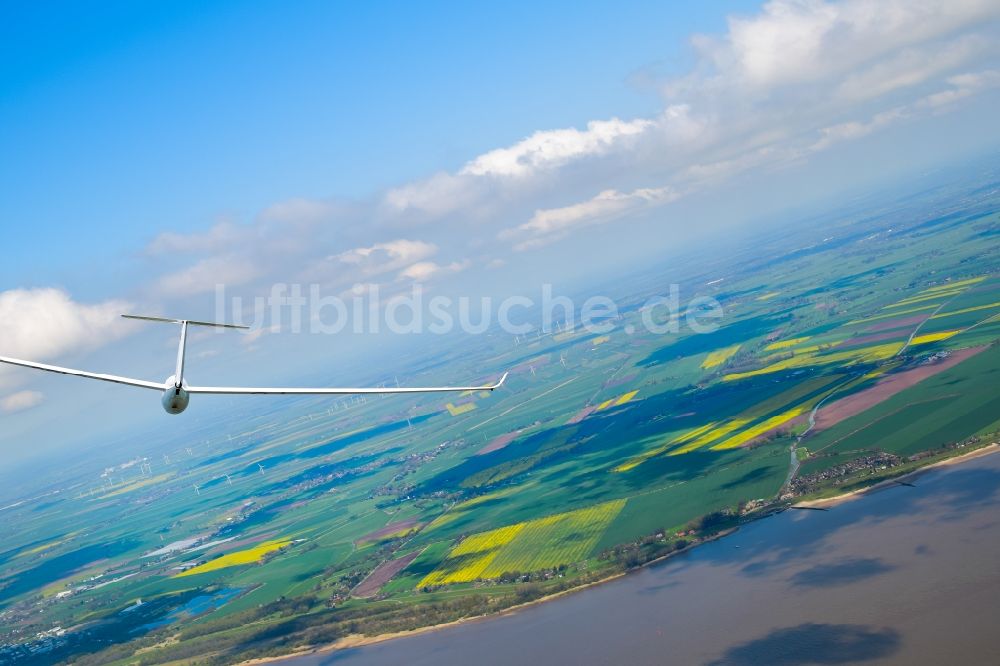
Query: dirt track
[382, 574]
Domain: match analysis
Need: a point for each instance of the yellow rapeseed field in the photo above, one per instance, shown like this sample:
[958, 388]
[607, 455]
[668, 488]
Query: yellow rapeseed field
[48, 545]
[946, 290]
[896, 313]
[137, 484]
[913, 300]
[398, 534]
[542, 543]
[625, 398]
[652, 453]
[988, 306]
[790, 396]
[932, 337]
[247, 556]
[756, 431]
[860, 355]
[468, 559]
[719, 356]
[784, 344]
[952, 285]
[715, 431]
[718, 432]
[457, 410]
[614, 402]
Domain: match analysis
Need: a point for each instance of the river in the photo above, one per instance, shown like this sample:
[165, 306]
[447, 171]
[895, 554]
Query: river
[902, 575]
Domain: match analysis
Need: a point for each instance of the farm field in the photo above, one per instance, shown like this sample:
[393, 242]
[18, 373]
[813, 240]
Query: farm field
[523, 547]
[949, 407]
[305, 514]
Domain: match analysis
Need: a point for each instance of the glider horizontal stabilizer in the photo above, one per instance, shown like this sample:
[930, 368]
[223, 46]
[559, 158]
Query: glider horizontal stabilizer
[186, 321]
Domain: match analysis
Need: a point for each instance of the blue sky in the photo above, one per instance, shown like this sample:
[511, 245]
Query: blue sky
[128, 118]
[154, 150]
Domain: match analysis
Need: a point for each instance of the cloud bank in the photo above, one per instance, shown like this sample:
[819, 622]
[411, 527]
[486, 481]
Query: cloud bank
[794, 79]
[776, 88]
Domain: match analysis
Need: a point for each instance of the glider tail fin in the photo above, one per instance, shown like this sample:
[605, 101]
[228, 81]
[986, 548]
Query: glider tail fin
[179, 371]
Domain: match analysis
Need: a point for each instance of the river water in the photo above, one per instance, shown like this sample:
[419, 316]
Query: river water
[900, 576]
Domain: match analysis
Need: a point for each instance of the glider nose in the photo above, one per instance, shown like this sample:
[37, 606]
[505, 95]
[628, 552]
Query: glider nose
[175, 398]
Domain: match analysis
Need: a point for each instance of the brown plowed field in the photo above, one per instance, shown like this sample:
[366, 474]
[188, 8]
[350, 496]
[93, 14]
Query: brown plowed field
[382, 574]
[391, 528]
[498, 443]
[886, 388]
[899, 322]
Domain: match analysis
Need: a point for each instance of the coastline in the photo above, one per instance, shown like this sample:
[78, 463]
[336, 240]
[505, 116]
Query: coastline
[360, 640]
[827, 502]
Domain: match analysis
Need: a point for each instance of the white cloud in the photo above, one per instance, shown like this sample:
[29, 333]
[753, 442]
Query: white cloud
[251, 337]
[422, 271]
[856, 130]
[440, 194]
[508, 174]
[773, 89]
[758, 94]
[721, 169]
[911, 67]
[20, 401]
[963, 85]
[219, 237]
[805, 41]
[202, 277]
[383, 257]
[555, 148]
[40, 324]
[368, 262]
[553, 223]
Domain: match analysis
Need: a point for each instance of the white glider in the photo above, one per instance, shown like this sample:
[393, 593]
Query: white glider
[177, 393]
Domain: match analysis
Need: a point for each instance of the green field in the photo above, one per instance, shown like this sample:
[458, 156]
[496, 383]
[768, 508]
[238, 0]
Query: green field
[949, 407]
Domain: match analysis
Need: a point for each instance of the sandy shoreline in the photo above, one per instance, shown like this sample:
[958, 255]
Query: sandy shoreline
[358, 640]
[827, 502]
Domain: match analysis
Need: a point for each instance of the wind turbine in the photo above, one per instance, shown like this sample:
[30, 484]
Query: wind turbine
[176, 393]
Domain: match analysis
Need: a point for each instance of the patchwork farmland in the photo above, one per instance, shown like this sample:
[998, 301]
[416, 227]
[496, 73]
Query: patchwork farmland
[602, 452]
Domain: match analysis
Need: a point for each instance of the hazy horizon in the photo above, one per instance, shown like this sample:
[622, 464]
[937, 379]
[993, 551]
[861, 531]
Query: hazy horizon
[151, 157]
